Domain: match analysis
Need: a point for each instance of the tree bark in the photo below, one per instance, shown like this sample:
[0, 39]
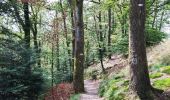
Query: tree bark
[101, 45]
[26, 29]
[110, 32]
[78, 81]
[73, 38]
[66, 33]
[140, 82]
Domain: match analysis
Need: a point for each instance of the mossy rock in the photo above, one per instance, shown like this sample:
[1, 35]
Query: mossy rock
[155, 75]
[162, 84]
[166, 69]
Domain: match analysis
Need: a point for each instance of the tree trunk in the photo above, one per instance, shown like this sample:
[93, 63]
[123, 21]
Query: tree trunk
[66, 33]
[73, 38]
[78, 81]
[52, 71]
[101, 45]
[140, 82]
[110, 32]
[161, 20]
[35, 32]
[26, 29]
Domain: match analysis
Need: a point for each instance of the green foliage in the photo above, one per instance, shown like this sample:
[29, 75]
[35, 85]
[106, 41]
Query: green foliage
[114, 89]
[155, 75]
[75, 97]
[19, 77]
[120, 45]
[162, 84]
[154, 36]
[166, 69]
[63, 77]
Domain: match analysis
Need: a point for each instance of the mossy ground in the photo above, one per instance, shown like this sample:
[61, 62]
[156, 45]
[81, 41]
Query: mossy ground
[155, 75]
[166, 70]
[75, 97]
[163, 84]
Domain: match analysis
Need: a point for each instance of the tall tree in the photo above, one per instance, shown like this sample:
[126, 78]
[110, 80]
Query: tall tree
[140, 82]
[110, 31]
[78, 80]
[66, 32]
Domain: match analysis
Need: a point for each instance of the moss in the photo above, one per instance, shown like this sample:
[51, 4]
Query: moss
[155, 75]
[166, 69]
[162, 84]
[75, 97]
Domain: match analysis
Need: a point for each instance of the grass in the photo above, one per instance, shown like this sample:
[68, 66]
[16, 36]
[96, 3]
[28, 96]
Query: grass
[166, 69]
[75, 97]
[115, 88]
[155, 75]
[162, 84]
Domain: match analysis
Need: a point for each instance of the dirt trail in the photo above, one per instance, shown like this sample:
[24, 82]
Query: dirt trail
[91, 90]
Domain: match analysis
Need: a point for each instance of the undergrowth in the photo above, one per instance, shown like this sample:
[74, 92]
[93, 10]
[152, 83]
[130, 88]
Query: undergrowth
[114, 89]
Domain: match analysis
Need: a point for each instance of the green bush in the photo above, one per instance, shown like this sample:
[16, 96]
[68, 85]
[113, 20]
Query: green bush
[120, 45]
[162, 84]
[20, 79]
[154, 36]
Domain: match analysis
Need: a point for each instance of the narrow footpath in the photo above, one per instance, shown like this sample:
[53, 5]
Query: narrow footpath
[91, 90]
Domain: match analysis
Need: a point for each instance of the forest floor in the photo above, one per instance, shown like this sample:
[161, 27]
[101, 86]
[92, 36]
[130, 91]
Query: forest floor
[91, 90]
[156, 55]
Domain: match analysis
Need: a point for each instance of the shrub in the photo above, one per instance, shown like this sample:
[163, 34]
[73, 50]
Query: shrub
[19, 78]
[114, 89]
[61, 91]
[120, 45]
[154, 36]
[162, 84]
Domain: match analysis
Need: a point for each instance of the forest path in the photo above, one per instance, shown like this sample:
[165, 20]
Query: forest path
[91, 90]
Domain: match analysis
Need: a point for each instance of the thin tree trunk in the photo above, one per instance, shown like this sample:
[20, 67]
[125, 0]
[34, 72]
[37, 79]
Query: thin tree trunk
[101, 44]
[110, 32]
[155, 14]
[73, 38]
[27, 36]
[56, 24]
[35, 32]
[52, 71]
[161, 21]
[66, 33]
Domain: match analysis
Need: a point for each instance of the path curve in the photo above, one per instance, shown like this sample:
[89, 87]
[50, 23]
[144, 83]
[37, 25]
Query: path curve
[91, 90]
